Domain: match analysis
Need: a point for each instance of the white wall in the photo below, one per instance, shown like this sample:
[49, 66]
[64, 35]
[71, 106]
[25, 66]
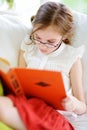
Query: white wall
[43, 1]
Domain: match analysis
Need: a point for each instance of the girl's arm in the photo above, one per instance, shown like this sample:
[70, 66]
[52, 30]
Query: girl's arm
[76, 103]
[76, 80]
[21, 61]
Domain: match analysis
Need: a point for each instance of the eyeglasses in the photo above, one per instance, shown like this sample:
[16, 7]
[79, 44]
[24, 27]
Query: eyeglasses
[48, 45]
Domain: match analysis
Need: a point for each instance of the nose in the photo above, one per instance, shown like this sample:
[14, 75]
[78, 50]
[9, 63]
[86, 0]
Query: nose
[43, 46]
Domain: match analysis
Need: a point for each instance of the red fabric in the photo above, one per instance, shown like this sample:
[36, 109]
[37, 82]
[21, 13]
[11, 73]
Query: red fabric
[37, 115]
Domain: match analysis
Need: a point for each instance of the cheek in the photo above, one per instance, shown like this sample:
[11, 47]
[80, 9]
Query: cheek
[51, 50]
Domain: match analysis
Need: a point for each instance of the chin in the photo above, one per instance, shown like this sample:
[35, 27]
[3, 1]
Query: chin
[45, 51]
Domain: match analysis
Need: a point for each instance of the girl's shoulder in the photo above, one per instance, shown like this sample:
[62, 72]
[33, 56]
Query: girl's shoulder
[71, 54]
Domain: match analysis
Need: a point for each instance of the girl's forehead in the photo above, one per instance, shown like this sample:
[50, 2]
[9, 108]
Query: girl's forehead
[49, 31]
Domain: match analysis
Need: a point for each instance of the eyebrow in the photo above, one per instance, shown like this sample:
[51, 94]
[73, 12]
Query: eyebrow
[47, 40]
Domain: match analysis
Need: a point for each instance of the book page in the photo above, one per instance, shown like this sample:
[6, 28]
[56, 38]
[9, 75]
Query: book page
[4, 65]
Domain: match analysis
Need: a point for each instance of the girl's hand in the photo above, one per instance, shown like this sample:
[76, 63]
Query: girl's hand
[69, 103]
[72, 104]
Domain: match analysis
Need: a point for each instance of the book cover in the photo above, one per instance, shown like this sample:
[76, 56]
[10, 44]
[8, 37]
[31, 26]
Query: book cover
[47, 85]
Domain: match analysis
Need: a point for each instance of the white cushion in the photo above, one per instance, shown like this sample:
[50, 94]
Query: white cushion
[80, 38]
[12, 32]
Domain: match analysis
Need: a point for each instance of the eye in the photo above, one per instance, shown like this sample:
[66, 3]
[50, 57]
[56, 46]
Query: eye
[51, 41]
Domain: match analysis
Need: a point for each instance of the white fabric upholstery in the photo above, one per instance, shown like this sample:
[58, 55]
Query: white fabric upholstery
[12, 32]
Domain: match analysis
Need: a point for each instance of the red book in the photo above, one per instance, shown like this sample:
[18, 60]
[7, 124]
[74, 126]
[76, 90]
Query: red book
[44, 84]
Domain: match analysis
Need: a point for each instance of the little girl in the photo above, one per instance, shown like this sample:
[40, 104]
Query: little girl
[48, 47]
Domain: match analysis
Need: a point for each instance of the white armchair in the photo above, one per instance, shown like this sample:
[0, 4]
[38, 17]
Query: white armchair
[13, 31]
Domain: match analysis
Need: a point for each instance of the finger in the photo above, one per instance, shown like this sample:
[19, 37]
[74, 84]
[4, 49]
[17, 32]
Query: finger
[65, 99]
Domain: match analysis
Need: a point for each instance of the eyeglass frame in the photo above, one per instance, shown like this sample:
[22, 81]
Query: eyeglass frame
[45, 44]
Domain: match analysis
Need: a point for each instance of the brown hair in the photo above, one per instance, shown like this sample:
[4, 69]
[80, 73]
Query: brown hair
[57, 15]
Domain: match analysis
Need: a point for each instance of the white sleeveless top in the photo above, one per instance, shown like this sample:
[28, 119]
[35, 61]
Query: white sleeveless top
[60, 60]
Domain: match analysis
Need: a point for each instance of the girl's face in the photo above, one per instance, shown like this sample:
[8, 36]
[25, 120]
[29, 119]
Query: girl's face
[47, 40]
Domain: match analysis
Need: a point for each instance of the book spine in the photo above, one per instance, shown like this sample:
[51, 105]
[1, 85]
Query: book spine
[15, 83]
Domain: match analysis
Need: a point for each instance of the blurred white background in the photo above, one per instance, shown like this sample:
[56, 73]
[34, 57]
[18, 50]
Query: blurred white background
[26, 8]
